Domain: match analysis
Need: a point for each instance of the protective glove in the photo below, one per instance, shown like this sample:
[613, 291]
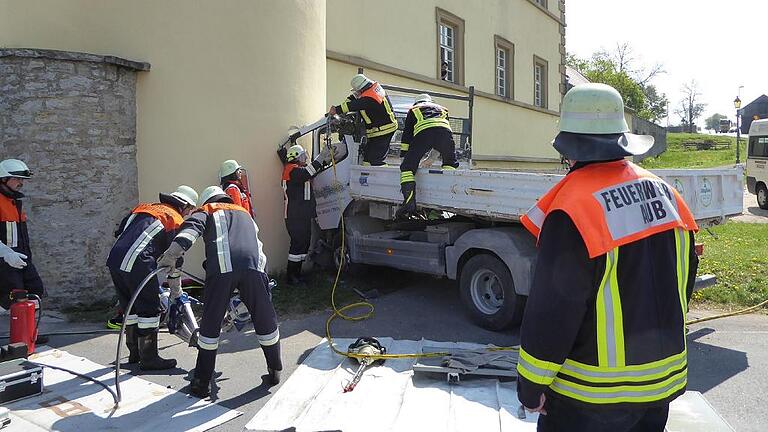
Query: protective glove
[170, 257]
[13, 258]
[174, 283]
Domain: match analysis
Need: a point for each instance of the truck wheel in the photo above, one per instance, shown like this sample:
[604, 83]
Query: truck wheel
[762, 196]
[488, 292]
[348, 266]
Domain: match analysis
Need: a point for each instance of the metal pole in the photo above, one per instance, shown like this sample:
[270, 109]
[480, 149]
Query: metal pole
[738, 135]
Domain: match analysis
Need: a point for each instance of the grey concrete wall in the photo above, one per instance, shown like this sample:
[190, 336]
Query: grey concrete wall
[659, 133]
[72, 118]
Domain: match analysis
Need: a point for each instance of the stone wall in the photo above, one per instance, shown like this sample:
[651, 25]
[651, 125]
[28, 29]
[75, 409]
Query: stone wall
[72, 118]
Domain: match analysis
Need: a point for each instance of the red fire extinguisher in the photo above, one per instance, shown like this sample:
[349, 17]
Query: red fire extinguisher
[23, 322]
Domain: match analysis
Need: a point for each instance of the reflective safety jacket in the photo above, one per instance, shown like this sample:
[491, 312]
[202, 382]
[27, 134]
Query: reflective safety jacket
[605, 319]
[375, 108]
[420, 117]
[231, 238]
[143, 236]
[13, 225]
[298, 196]
[238, 196]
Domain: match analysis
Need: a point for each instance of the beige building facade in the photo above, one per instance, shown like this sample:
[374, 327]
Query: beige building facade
[228, 79]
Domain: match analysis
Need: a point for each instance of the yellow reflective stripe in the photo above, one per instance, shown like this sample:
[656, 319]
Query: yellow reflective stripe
[365, 117]
[345, 107]
[404, 146]
[418, 114]
[623, 393]
[610, 322]
[448, 168]
[536, 370]
[410, 197]
[681, 247]
[631, 373]
[407, 176]
[391, 113]
[430, 123]
[382, 130]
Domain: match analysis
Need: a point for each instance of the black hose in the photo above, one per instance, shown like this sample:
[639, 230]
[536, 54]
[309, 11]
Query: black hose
[122, 331]
[40, 314]
[91, 379]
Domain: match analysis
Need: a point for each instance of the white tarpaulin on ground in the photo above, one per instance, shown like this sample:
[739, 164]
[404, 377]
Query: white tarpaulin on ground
[391, 398]
[388, 397]
[71, 403]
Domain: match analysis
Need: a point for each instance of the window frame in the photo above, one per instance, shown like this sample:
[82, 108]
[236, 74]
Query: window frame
[754, 142]
[542, 3]
[499, 43]
[538, 61]
[445, 18]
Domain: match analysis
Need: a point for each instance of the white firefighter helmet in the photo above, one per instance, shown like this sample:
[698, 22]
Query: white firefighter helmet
[593, 127]
[14, 168]
[359, 82]
[211, 192]
[228, 167]
[294, 152]
[423, 98]
[186, 194]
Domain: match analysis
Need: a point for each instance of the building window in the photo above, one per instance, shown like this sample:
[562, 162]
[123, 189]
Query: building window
[504, 65]
[542, 3]
[539, 82]
[450, 47]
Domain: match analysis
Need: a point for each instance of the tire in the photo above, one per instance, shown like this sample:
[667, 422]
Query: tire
[762, 196]
[488, 293]
[353, 269]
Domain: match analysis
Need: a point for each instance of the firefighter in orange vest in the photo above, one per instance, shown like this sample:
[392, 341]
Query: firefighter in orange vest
[143, 235]
[603, 337]
[235, 261]
[370, 100]
[232, 175]
[299, 200]
[16, 268]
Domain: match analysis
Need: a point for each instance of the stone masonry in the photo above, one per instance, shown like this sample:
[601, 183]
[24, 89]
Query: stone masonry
[72, 118]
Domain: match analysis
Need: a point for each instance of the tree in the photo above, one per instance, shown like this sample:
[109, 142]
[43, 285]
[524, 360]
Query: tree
[690, 109]
[618, 69]
[713, 122]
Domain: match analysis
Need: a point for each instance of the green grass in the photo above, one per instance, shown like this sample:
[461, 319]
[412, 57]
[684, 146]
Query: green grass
[739, 259]
[677, 156]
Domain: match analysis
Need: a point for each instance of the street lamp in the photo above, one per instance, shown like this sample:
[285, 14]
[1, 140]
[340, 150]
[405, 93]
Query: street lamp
[737, 105]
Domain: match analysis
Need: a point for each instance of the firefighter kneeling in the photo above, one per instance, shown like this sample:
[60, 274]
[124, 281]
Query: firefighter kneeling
[234, 261]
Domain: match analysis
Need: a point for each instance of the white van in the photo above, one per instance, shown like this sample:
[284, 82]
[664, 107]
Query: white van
[757, 162]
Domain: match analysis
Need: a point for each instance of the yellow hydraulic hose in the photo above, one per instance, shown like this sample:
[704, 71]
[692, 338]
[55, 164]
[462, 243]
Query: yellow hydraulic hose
[728, 314]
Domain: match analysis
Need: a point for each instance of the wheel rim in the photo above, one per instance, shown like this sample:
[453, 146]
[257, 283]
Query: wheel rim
[762, 197]
[337, 257]
[487, 292]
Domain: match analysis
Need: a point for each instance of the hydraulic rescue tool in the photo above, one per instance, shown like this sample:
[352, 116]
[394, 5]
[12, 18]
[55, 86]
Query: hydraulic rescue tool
[365, 347]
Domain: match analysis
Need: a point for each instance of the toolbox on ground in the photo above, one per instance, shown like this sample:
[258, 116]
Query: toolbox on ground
[19, 379]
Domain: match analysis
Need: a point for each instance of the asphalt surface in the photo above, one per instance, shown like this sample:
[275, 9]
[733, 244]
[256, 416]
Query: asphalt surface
[728, 358]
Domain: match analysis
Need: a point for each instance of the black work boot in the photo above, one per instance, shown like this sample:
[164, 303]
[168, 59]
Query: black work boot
[200, 388]
[150, 359]
[293, 273]
[132, 342]
[409, 200]
[274, 376]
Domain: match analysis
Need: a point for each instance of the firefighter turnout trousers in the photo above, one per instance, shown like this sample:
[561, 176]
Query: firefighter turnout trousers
[146, 310]
[376, 149]
[439, 138]
[300, 232]
[255, 294]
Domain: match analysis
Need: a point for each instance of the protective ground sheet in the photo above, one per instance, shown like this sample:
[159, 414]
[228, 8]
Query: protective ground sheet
[71, 403]
[388, 397]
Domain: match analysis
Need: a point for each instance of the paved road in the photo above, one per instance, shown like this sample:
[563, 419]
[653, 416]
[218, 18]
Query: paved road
[752, 213]
[728, 358]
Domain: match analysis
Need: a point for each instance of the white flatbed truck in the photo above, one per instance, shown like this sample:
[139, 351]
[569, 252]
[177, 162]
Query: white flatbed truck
[482, 244]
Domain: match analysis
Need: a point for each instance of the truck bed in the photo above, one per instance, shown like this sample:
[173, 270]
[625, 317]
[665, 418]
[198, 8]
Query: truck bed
[712, 194]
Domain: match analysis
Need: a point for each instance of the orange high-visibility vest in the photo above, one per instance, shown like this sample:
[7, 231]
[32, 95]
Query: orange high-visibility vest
[9, 212]
[613, 204]
[214, 207]
[375, 92]
[167, 215]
